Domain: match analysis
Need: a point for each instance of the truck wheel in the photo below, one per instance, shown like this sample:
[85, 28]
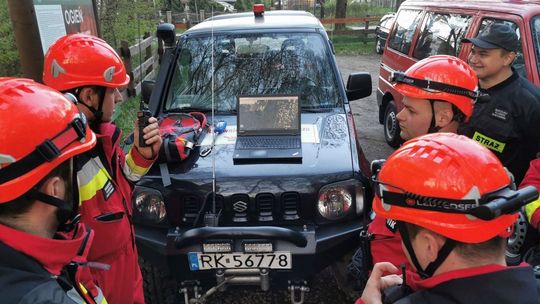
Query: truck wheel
[158, 287]
[344, 280]
[391, 126]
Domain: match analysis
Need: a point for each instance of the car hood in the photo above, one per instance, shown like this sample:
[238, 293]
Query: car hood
[326, 150]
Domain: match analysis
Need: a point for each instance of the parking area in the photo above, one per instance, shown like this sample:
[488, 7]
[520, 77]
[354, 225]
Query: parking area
[365, 110]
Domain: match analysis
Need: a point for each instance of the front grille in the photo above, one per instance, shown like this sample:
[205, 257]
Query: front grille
[265, 207]
[241, 208]
[240, 204]
[289, 201]
[192, 204]
[210, 201]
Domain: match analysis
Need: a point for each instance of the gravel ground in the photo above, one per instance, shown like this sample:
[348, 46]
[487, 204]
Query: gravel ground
[324, 289]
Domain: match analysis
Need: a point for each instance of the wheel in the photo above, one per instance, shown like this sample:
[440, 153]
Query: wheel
[158, 287]
[345, 281]
[391, 126]
[379, 46]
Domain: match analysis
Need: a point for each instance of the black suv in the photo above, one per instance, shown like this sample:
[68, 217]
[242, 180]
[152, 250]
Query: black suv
[207, 221]
[382, 30]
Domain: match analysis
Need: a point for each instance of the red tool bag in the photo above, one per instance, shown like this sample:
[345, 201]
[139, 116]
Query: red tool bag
[180, 133]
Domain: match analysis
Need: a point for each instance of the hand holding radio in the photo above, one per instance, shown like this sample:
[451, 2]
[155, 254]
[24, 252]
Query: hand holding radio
[148, 147]
[142, 116]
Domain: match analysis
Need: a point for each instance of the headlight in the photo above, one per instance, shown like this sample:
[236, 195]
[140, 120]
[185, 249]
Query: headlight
[149, 205]
[335, 201]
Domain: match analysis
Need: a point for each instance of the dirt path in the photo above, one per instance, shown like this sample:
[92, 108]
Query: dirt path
[366, 111]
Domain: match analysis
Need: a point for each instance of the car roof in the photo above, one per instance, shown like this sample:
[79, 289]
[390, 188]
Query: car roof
[282, 19]
[516, 7]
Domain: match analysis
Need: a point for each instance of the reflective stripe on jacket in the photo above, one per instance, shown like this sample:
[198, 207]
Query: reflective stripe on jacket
[105, 174]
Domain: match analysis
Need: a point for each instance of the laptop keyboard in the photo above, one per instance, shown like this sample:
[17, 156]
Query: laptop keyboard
[268, 142]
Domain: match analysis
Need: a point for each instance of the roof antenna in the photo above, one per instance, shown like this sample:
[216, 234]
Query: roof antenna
[211, 218]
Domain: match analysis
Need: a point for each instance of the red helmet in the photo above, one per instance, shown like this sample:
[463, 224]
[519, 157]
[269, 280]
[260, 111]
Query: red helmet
[79, 60]
[40, 130]
[447, 70]
[434, 180]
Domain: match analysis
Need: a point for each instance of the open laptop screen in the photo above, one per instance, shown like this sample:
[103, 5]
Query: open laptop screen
[268, 115]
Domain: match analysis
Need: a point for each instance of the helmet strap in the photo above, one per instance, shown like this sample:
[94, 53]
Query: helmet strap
[97, 113]
[68, 209]
[66, 215]
[443, 253]
[433, 127]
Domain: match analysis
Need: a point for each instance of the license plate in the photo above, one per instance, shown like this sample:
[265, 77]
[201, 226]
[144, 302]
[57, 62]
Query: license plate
[205, 261]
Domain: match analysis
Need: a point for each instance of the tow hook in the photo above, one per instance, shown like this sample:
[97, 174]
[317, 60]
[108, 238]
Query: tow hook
[197, 297]
[191, 291]
[298, 290]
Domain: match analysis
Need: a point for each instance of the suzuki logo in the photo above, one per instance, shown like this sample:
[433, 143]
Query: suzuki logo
[240, 206]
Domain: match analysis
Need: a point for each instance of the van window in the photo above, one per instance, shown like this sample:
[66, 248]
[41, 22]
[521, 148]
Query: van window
[519, 63]
[441, 35]
[535, 25]
[404, 28]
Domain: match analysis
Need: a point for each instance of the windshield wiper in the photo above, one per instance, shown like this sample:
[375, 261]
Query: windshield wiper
[316, 109]
[188, 109]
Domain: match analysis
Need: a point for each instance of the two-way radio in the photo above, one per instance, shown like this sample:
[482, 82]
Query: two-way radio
[142, 116]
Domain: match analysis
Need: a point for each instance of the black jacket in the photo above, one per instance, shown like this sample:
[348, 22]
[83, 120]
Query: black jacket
[509, 123]
[40, 270]
[24, 280]
[512, 285]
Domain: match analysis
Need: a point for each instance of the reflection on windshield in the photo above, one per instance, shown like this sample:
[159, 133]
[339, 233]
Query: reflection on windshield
[253, 64]
[536, 39]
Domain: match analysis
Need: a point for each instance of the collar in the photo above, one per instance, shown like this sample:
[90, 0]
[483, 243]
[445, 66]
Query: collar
[52, 254]
[462, 273]
[505, 83]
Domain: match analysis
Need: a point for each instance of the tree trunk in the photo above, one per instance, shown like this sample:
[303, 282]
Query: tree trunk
[398, 3]
[27, 37]
[341, 12]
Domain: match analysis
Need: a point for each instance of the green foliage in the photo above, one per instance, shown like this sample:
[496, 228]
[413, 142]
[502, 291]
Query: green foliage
[352, 45]
[9, 57]
[355, 9]
[127, 20]
[125, 115]
[247, 5]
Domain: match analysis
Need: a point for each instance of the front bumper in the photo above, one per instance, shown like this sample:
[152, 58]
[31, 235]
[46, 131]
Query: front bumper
[312, 248]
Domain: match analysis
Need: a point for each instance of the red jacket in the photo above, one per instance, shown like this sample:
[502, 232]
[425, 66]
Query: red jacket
[31, 268]
[105, 177]
[386, 247]
[532, 178]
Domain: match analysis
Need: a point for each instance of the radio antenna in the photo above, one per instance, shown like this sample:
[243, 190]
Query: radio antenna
[213, 120]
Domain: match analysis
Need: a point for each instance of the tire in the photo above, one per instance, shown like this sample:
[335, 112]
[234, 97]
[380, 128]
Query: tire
[391, 126]
[158, 287]
[346, 283]
[379, 46]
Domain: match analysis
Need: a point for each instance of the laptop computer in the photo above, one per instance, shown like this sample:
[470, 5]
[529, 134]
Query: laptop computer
[268, 129]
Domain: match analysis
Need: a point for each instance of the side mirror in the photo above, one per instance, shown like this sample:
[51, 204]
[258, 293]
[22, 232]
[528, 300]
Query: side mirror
[147, 87]
[358, 86]
[166, 32]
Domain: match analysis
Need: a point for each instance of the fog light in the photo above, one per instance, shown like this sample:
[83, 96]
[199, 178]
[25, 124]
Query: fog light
[258, 247]
[217, 247]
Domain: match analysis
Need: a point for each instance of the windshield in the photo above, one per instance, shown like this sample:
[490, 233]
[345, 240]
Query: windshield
[536, 40]
[253, 64]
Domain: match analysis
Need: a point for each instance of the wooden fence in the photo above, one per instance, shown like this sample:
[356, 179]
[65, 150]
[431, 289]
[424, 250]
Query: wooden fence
[149, 58]
[367, 27]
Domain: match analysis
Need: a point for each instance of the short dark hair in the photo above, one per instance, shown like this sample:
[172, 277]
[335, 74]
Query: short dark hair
[459, 116]
[474, 253]
[21, 204]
